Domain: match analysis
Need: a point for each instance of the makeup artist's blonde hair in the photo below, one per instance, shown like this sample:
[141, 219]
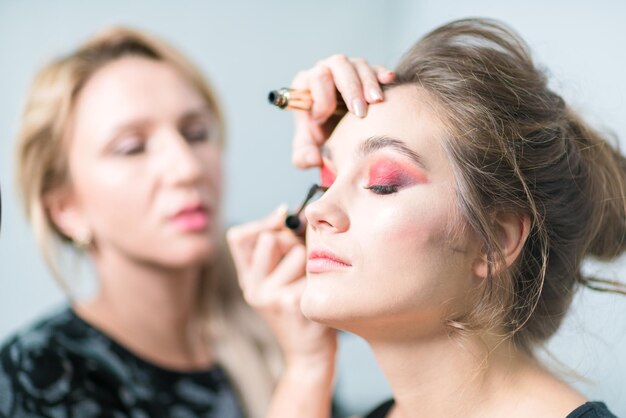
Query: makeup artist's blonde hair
[242, 343]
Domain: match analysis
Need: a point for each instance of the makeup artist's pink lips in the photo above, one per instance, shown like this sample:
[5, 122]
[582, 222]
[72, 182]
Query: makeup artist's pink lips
[193, 217]
[321, 261]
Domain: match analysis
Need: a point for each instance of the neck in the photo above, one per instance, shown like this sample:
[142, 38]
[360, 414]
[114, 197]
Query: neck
[442, 376]
[149, 309]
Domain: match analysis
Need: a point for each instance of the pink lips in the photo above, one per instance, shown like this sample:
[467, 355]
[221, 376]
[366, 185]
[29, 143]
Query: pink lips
[321, 261]
[191, 218]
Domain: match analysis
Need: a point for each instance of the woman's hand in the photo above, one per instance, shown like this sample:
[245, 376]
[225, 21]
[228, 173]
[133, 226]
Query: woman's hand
[270, 262]
[359, 84]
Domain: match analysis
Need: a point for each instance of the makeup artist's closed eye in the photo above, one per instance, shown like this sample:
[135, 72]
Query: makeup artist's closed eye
[134, 136]
[129, 144]
[198, 126]
[134, 143]
[196, 133]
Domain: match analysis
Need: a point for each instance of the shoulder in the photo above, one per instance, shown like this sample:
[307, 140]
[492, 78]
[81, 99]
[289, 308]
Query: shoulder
[40, 338]
[591, 410]
[41, 367]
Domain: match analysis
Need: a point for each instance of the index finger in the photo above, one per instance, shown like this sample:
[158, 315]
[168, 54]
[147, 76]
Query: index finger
[242, 238]
[307, 140]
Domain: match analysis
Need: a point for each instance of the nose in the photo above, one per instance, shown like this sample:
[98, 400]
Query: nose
[182, 164]
[327, 213]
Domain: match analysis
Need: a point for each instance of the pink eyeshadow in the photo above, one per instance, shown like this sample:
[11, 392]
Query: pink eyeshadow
[327, 177]
[387, 171]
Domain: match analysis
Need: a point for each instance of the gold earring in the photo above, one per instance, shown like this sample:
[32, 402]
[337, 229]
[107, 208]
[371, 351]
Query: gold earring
[83, 241]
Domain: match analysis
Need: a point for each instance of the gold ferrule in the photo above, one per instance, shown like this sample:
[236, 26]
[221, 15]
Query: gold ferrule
[299, 99]
[289, 99]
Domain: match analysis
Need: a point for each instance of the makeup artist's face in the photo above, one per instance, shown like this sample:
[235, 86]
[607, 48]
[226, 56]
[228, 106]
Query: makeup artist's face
[387, 253]
[146, 164]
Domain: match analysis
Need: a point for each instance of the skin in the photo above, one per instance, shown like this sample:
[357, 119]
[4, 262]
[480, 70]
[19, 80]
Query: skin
[270, 261]
[152, 151]
[359, 85]
[386, 234]
[270, 265]
[142, 147]
[407, 264]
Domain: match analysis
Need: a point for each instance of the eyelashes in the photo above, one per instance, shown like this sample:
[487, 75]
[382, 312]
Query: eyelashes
[196, 135]
[383, 189]
[387, 176]
[130, 144]
[385, 179]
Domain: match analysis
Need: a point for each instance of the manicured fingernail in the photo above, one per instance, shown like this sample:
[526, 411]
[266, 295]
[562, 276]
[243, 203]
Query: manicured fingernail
[375, 94]
[281, 209]
[358, 107]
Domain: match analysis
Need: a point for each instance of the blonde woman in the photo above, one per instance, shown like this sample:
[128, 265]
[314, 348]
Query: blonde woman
[453, 225]
[119, 155]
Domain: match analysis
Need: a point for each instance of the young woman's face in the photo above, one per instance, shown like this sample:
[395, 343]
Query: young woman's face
[387, 251]
[145, 164]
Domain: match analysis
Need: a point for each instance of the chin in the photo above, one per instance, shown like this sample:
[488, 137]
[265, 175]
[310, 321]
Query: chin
[330, 316]
[198, 254]
[326, 307]
[365, 313]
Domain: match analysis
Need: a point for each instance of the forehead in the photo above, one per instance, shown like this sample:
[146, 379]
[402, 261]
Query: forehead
[406, 114]
[137, 84]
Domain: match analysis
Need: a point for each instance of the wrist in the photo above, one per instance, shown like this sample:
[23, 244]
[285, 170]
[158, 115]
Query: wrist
[313, 369]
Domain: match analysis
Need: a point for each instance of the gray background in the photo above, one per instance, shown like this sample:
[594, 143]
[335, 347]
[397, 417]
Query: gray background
[249, 47]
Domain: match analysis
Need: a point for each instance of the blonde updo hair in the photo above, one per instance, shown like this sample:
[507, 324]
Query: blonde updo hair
[517, 147]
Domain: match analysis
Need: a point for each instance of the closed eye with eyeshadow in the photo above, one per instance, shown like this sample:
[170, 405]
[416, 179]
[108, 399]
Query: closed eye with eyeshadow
[387, 176]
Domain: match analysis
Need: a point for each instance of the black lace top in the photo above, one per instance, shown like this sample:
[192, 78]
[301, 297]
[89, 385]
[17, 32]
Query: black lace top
[588, 410]
[63, 367]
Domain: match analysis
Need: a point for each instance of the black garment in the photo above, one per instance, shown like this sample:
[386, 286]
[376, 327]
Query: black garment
[64, 368]
[381, 410]
[591, 410]
[588, 410]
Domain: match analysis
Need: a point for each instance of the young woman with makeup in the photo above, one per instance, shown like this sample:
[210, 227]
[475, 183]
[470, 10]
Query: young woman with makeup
[119, 156]
[453, 226]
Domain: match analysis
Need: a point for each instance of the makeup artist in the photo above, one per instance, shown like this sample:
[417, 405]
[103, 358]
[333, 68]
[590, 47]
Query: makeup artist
[119, 158]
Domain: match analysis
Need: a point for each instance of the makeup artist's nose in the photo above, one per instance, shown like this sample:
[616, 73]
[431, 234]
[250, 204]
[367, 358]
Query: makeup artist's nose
[326, 213]
[183, 165]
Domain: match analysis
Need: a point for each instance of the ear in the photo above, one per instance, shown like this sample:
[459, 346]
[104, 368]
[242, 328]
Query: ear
[512, 230]
[66, 214]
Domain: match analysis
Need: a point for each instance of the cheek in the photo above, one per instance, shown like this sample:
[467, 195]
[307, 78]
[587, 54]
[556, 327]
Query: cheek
[103, 189]
[213, 168]
[402, 274]
[410, 245]
[400, 231]
[211, 160]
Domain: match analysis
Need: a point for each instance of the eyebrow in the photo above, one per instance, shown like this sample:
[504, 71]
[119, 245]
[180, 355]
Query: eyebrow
[200, 112]
[142, 122]
[375, 143]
